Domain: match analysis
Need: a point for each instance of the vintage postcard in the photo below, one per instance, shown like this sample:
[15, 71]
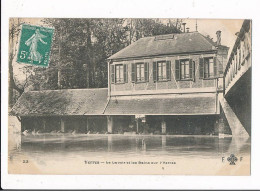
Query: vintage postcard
[127, 96]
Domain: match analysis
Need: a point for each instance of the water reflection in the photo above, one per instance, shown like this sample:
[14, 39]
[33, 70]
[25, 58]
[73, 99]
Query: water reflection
[109, 143]
[239, 145]
[58, 146]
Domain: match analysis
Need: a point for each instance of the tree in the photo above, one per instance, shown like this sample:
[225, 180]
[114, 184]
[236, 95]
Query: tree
[139, 28]
[80, 49]
[13, 34]
[71, 52]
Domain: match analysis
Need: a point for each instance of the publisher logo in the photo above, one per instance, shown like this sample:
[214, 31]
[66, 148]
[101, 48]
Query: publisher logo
[232, 159]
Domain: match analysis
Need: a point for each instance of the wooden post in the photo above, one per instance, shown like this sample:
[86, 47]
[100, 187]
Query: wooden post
[62, 125]
[87, 124]
[44, 124]
[110, 124]
[137, 125]
[35, 124]
[163, 124]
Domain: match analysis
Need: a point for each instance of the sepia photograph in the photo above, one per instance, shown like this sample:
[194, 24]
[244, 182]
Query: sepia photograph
[149, 96]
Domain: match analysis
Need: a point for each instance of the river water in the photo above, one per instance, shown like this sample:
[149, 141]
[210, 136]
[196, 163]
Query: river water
[51, 148]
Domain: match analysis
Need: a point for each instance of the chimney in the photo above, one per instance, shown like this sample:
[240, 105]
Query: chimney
[184, 27]
[188, 29]
[218, 37]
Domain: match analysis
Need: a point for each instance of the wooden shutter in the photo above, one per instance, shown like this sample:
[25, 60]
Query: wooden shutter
[193, 70]
[125, 73]
[112, 73]
[201, 67]
[168, 70]
[154, 71]
[215, 66]
[133, 72]
[190, 69]
[146, 72]
[177, 70]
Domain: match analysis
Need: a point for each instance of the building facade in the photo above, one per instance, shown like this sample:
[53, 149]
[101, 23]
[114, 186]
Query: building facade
[174, 79]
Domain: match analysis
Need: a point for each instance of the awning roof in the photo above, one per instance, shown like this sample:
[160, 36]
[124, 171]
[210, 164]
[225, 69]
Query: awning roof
[95, 102]
[163, 106]
[61, 102]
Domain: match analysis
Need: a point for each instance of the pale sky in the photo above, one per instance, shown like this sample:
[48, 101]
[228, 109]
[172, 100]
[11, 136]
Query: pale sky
[209, 27]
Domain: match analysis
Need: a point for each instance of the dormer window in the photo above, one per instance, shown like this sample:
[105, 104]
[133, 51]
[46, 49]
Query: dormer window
[164, 37]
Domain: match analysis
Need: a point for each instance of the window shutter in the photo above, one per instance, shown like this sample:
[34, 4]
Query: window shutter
[201, 67]
[177, 70]
[193, 71]
[190, 69]
[168, 70]
[146, 72]
[215, 66]
[125, 73]
[133, 72]
[154, 71]
[112, 73]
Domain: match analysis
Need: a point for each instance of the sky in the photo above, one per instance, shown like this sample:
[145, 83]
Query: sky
[209, 27]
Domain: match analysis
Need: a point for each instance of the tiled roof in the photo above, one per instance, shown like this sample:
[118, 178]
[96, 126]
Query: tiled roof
[170, 106]
[94, 102]
[171, 44]
[61, 102]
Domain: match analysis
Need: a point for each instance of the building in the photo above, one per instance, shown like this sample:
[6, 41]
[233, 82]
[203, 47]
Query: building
[171, 81]
[167, 84]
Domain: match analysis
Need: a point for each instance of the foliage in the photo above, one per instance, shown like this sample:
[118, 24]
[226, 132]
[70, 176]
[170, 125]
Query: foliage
[80, 48]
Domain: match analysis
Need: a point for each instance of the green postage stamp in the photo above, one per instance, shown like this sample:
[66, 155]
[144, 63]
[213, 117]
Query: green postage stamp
[35, 45]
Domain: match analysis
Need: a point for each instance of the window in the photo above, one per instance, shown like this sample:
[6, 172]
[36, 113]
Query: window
[185, 72]
[184, 69]
[208, 68]
[161, 70]
[119, 74]
[140, 72]
[140, 75]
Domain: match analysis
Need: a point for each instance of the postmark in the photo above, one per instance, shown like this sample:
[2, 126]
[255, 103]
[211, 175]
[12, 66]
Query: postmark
[35, 45]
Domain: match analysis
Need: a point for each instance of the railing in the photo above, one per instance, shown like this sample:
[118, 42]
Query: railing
[240, 58]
